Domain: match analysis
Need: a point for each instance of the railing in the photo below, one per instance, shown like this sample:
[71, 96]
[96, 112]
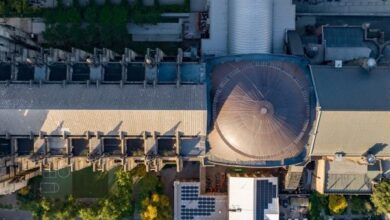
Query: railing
[240, 163]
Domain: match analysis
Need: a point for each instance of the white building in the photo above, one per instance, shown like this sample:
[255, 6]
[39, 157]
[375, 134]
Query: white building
[253, 198]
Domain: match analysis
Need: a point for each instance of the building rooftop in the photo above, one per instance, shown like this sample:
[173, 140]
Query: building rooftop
[344, 7]
[352, 88]
[217, 42]
[109, 109]
[350, 177]
[340, 36]
[262, 109]
[191, 205]
[169, 32]
[354, 114]
[347, 43]
[261, 198]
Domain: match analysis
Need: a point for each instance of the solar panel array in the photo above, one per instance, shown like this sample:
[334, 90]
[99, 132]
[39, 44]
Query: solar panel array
[265, 192]
[205, 207]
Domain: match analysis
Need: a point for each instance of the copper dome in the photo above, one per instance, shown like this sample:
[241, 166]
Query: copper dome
[261, 110]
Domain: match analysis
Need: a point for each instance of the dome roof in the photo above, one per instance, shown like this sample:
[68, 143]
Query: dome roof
[262, 111]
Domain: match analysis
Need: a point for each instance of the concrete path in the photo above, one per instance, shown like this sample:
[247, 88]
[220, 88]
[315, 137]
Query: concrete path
[6, 214]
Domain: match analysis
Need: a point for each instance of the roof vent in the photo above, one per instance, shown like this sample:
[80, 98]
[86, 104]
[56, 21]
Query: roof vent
[235, 210]
[371, 159]
[339, 156]
[312, 50]
[369, 64]
[338, 64]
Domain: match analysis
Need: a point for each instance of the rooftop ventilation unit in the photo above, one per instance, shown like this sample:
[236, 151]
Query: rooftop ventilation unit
[312, 50]
[369, 64]
[338, 64]
[371, 159]
[339, 156]
[235, 210]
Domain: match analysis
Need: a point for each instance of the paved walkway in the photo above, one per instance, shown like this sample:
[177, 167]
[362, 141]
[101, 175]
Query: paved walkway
[6, 214]
[348, 215]
[9, 200]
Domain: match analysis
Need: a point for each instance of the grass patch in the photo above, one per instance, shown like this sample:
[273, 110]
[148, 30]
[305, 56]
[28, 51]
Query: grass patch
[80, 184]
[89, 184]
[56, 184]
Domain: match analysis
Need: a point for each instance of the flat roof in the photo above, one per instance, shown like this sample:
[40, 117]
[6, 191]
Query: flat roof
[261, 198]
[108, 109]
[190, 204]
[340, 36]
[345, 7]
[217, 42]
[352, 88]
[354, 111]
[350, 177]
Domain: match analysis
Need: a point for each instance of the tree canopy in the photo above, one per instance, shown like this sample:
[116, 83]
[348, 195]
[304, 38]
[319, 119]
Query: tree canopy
[381, 197]
[337, 204]
[318, 204]
[120, 203]
[156, 207]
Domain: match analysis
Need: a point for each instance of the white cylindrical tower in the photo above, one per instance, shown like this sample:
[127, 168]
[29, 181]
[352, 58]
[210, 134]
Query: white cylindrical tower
[250, 26]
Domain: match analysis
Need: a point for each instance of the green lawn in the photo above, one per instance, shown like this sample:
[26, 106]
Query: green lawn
[89, 184]
[56, 184]
[81, 184]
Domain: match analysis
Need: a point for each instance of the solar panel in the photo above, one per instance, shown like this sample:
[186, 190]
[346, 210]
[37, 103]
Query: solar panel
[205, 205]
[265, 192]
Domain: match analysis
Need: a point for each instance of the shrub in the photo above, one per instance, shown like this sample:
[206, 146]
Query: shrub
[156, 207]
[360, 205]
[381, 197]
[337, 204]
[318, 203]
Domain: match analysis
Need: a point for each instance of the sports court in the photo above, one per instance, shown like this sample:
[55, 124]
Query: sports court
[81, 184]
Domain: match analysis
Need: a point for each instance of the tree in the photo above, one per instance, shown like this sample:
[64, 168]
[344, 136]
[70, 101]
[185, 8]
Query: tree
[318, 204]
[156, 207]
[146, 16]
[149, 213]
[24, 191]
[3, 8]
[65, 210]
[109, 210]
[19, 6]
[50, 17]
[91, 14]
[381, 197]
[88, 213]
[119, 204]
[72, 15]
[360, 204]
[147, 185]
[337, 204]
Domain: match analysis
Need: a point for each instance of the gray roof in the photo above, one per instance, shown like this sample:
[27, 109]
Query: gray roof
[346, 53]
[354, 114]
[345, 7]
[103, 97]
[109, 109]
[350, 177]
[347, 43]
[352, 88]
[295, 43]
[156, 32]
[340, 36]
